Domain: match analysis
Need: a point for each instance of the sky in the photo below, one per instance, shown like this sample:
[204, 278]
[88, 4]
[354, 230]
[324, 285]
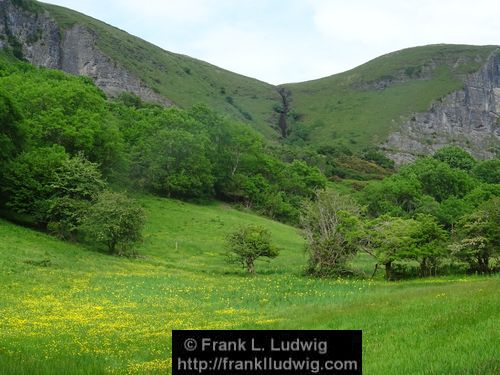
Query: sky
[282, 41]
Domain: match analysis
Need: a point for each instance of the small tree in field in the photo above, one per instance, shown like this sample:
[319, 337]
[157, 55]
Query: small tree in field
[115, 220]
[331, 229]
[248, 244]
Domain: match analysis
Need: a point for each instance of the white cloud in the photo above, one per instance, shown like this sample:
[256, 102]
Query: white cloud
[297, 40]
[178, 12]
[246, 51]
[390, 22]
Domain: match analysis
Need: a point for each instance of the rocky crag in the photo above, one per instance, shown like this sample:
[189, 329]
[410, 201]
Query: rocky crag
[41, 41]
[469, 118]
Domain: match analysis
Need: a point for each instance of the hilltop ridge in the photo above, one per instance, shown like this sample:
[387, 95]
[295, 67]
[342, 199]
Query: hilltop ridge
[371, 105]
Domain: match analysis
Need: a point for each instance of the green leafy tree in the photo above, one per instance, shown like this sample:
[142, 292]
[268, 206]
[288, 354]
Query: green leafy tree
[451, 210]
[438, 179]
[115, 220]
[455, 157]
[428, 243]
[70, 111]
[488, 171]
[390, 239]
[302, 180]
[478, 237]
[11, 134]
[77, 182]
[28, 181]
[249, 243]
[482, 193]
[395, 195]
[177, 165]
[330, 227]
[52, 188]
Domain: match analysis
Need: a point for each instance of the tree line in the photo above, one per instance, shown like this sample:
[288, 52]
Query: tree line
[437, 215]
[63, 144]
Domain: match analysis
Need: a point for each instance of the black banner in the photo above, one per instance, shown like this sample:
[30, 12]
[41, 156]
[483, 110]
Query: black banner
[266, 352]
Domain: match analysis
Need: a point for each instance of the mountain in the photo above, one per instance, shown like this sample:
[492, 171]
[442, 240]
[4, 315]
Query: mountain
[409, 102]
[60, 38]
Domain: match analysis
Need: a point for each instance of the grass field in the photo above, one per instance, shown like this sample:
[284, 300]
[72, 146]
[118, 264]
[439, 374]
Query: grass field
[69, 309]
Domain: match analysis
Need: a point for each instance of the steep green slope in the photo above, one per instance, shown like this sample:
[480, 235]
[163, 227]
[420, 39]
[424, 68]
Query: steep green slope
[67, 309]
[358, 108]
[182, 79]
[361, 106]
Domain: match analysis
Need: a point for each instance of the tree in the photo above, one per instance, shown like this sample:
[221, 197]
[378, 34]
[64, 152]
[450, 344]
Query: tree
[488, 171]
[455, 157]
[438, 179]
[451, 210]
[52, 188]
[395, 195]
[70, 111]
[11, 135]
[28, 181]
[478, 237]
[77, 182]
[428, 243]
[302, 180]
[330, 225]
[115, 220]
[390, 239]
[249, 243]
[176, 164]
[482, 193]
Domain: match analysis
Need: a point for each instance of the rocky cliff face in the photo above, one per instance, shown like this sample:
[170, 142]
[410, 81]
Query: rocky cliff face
[469, 118]
[74, 50]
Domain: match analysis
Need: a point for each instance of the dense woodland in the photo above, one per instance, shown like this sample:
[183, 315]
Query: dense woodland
[68, 155]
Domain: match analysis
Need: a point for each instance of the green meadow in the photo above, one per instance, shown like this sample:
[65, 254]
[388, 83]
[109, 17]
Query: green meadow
[66, 306]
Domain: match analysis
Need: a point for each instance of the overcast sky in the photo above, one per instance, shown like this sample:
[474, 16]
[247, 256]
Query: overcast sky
[281, 41]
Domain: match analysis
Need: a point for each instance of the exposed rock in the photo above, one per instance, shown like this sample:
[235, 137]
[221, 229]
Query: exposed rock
[468, 118]
[72, 50]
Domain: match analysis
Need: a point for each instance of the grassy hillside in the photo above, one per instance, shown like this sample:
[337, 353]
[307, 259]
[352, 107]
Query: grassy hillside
[182, 79]
[64, 306]
[361, 106]
[357, 108]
